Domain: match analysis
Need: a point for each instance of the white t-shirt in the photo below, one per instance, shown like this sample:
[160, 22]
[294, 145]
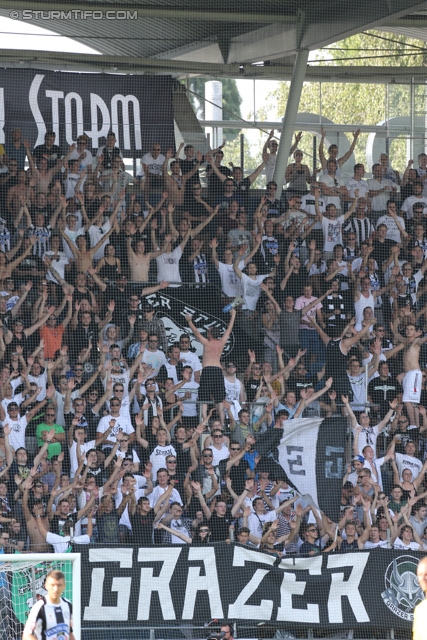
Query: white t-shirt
[399, 544]
[368, 436]
[361, 185]
[158, 457]
[74, 463]
[155, 165]
[191, 359]
[159, 491]
[70, 184]
[58, 265]
[308, 205]
[95, 234]
[330, 181]
[189, 407]
[17, 435]
[18, 398]
[379, 202]
[393, 232]
[40, 381]
[61, 543]
[408, 203]
[251, 290]
[404, 461]
[332, 232]
[257, 521]
[230, 283]
[155, 359]
[84, 162]
[168, 266]
[121, 424]
[374, 545]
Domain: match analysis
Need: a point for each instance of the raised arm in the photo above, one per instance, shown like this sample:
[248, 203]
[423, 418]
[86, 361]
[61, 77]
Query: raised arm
[350, 413]
[347, 155]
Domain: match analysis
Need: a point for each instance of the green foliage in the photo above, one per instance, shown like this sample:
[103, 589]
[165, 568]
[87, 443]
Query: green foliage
[358, 103]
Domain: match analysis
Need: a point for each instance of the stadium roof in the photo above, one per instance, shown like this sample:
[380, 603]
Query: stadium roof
[244, 38]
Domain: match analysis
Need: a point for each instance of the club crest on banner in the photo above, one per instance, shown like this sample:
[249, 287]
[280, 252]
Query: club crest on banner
[403, 592]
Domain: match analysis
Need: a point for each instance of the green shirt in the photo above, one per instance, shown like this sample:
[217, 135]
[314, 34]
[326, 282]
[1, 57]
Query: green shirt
[55, 448]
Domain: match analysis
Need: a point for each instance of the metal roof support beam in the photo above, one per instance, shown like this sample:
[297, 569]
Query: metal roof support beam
[291, 113]
[168, 13]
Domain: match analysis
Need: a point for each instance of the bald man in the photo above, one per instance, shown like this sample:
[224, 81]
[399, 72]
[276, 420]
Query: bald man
[420, 611]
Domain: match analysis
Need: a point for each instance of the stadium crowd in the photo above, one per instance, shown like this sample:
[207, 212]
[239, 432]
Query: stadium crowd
[113, 433]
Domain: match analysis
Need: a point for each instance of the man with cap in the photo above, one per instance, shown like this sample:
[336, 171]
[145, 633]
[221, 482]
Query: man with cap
[152, 324]
[351, 476]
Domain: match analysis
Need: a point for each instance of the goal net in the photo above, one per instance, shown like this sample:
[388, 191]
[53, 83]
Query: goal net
[22, 579]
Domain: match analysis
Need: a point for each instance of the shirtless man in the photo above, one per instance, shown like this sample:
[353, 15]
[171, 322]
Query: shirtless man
[82, 255]
[212, 380]
[41, 173]
[175, 183]
[411, 379]
[139, 261]
[37, 542]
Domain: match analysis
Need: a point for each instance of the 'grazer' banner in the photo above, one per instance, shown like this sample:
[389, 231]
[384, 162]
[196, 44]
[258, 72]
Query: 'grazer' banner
[137, 108]
[158, 585]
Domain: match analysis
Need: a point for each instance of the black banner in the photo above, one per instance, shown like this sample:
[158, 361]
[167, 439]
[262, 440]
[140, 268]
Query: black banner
[157, 585]
[172, 305]
[137, 108]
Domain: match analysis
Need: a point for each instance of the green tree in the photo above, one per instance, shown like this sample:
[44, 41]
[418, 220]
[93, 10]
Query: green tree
[356, 103]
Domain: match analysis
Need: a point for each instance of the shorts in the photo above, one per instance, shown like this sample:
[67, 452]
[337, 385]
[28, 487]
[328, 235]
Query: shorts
[412, 383]
[212, 385]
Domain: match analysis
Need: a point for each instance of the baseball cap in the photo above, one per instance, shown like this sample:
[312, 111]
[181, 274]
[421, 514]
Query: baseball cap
[358, 459]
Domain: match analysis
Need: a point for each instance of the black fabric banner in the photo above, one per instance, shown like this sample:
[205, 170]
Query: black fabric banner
[173, 304]
[157, 585]
[137, 108]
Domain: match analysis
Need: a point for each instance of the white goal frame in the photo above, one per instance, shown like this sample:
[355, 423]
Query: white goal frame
[75, 558]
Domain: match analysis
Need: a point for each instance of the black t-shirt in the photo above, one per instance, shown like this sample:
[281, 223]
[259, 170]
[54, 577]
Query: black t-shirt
[383, 391]
[251, 387]
[96, 472]
[57, 523]
[142, 527]
[306, 547]
[215, 186]
[296, 283]
[219, 528]
[382, 250]
[183, 457]
[186, 167]
[237, 474]
[52, 154]
[296, 384]
[108, 528]
[109, 156]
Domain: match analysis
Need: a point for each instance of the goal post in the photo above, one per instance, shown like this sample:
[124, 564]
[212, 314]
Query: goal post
[23, 576]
